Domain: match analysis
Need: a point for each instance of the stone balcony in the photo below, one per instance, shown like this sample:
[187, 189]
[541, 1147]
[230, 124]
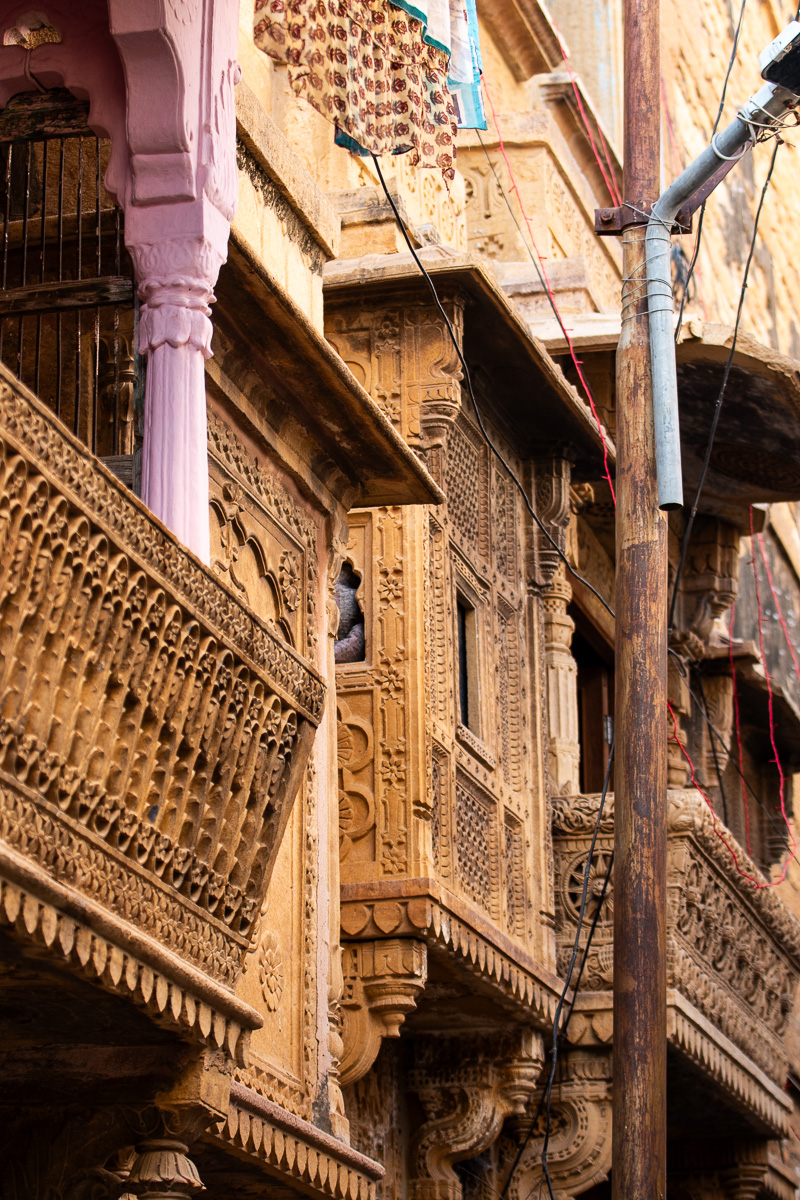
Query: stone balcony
[732, 967]
[153, 733]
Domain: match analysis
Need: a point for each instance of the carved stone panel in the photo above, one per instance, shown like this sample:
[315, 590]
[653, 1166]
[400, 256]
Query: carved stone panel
[154, 731]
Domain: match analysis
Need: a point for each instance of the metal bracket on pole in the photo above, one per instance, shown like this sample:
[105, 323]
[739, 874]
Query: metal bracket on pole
[612, 222]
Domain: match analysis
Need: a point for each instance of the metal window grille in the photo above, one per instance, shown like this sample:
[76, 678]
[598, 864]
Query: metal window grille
[68, 307]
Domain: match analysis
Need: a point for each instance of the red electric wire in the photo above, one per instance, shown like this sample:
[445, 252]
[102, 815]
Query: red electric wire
[550, 294]
[739, 732]
[751, 879]
[608, 176]
[770, 703]
[776, 602]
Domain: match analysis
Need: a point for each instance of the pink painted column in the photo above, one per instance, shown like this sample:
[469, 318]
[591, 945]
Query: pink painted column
[180, 66]
[175, 284]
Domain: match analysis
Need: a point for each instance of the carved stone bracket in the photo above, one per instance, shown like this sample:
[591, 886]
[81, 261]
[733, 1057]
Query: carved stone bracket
[708, 587]
[579, 1147]
[382, 980]
[552, 500]
[162, 1168]
[467, 1088]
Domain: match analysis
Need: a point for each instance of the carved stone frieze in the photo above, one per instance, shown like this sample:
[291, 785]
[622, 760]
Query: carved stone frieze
[733, 950]
[403, 356]
[153, 730]
[382, 980]
[467, 1088]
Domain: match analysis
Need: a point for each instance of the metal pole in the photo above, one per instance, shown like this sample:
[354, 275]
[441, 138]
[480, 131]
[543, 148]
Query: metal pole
[640, 824]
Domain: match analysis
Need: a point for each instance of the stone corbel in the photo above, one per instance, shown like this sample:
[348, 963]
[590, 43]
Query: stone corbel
[161, 1168]
[382, 981]
[579, 1148]
[552, 477]
[708, 588]
[467, 1088]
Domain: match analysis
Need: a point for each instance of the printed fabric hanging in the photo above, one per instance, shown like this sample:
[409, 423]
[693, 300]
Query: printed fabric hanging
[378, 71]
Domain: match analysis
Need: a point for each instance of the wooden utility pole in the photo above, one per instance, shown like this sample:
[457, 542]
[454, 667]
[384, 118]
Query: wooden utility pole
[640, 824]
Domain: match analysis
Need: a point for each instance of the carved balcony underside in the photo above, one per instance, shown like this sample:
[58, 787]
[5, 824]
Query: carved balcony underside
[153, 732]
[733, 951]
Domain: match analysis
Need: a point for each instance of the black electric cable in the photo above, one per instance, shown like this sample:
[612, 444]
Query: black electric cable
[693, 263]
[470, 390]
[568, 978]
[718, 406]
[533, 258]
[547, 1096]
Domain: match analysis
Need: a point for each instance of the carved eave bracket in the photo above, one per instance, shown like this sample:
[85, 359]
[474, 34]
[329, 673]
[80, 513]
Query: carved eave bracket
[382, 981]
[579, 1147]
[709, 586]
[468, 1087]
[552, 476]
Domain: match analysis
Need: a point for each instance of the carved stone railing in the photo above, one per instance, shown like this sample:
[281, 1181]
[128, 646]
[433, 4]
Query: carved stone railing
[153, 732]
[733, 950]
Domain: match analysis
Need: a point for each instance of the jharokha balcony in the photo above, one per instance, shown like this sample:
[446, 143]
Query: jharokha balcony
[733, 961]
[153, 732]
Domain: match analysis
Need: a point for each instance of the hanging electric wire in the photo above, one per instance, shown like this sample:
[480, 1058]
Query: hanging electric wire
[547, 1095]
[701, 214]
[720, 397]
[471, 392]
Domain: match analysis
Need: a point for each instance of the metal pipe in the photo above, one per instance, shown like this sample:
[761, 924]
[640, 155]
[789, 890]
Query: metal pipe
[770, 103]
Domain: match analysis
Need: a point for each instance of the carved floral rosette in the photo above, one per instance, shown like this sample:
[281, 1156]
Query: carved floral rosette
[733, 950]
[153, 732]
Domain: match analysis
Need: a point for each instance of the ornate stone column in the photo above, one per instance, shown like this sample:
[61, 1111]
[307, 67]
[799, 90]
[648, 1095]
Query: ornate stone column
[179, 199]
[546, 570]
[561, 673]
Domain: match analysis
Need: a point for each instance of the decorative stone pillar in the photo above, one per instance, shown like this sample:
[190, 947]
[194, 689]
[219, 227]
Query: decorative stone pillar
[561, 675]
[179, 199]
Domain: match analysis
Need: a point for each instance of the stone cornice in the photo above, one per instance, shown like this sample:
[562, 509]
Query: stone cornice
[286, 1145]
[94, 944]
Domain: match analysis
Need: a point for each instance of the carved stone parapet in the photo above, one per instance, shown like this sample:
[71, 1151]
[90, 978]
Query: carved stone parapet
[153, 730]
[382, 980]
[467, 1086]
[733, 950]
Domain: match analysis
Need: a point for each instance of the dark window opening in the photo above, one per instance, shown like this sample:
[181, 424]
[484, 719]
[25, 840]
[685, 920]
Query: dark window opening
[350, 644]
[595, 709]
[68, 307]
[467, 645]
[463, 665]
